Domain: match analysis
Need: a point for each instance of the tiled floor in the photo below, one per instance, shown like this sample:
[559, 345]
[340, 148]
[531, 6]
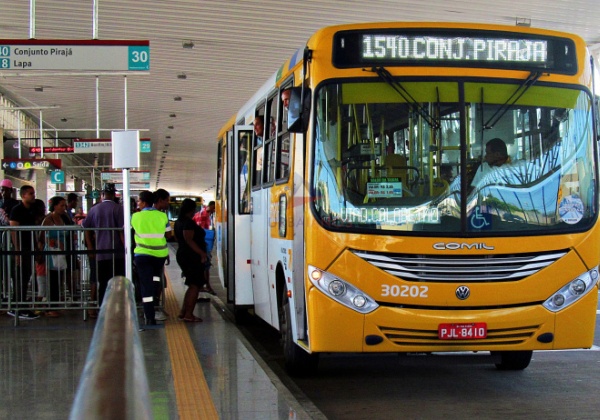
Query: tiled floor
[41, 361]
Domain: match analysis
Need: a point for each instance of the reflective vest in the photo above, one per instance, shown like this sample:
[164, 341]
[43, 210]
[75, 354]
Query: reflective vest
[149, 226]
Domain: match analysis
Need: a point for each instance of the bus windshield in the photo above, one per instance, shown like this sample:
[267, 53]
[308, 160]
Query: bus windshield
[453, 158]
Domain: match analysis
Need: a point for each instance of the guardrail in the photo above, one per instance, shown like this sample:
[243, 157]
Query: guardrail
[52, 271]
[114, 383]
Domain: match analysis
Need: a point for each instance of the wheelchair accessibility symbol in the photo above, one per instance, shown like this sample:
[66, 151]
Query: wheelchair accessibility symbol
[480, 220]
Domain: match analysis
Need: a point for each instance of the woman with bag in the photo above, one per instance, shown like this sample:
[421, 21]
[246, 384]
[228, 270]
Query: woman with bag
[191, 257]
[55, 240]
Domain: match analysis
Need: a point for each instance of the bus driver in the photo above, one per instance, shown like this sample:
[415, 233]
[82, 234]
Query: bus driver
[495, 156]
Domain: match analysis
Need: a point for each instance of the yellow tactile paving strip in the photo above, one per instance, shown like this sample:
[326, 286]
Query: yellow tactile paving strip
[193, 396]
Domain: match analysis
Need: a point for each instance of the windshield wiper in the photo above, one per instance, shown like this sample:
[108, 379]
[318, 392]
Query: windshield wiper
[387, 77]
[523, 87]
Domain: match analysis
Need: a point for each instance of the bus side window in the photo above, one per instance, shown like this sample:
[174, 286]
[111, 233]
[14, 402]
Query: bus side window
[283, 156]
[271, 127]
[283, 108]
[270, 134]
[257, 148]
[244, 160]
[269, 164]
[283, 136]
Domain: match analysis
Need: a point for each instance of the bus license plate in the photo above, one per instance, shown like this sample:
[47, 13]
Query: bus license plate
[462, 331]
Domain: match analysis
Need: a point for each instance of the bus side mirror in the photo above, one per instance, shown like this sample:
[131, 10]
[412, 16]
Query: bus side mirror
[298, 110]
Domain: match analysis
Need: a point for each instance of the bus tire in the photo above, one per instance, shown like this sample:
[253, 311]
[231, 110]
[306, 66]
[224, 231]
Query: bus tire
[513, 360]
[297, 361]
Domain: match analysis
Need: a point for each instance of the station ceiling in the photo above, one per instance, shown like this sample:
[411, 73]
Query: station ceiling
[237, 45]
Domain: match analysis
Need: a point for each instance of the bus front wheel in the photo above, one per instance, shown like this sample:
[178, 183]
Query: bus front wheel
[297, 361]
[512, 360]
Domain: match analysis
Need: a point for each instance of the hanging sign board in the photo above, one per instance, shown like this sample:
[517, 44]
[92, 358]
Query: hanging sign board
[117, 176]
[134, 186]
[57, 177]
[92, 146]
[125, 149]
[51, 149]
[103, 145]
[24, 164]
[93, 55]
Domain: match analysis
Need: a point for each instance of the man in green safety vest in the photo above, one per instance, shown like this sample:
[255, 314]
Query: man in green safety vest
[150, 250]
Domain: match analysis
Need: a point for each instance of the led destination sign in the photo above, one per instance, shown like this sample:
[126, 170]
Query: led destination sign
[451, 48]
[393, 47]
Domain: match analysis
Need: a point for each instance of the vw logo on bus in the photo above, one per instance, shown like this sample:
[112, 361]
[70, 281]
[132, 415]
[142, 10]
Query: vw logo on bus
[463, 292]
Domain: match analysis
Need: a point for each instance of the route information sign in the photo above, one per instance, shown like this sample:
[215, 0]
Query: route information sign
[96, 55]
[103, 145]
[117, 176]
[25, 164]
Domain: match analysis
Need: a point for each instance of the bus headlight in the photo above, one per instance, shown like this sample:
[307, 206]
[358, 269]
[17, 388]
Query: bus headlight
[341, 291]
[573, 291]
[337, 288]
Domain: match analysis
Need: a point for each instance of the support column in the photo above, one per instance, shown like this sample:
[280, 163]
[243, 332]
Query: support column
[77, 185]
[41, 185]
[89, 201]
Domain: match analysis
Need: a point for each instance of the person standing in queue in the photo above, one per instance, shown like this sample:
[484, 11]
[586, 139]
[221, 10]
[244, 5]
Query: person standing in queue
[72, 202]
[55, 240]
[161, 203]
[191, 257]
[23, 214]
[107, 249]
[7, 203]
[205, 221]
[150, 252]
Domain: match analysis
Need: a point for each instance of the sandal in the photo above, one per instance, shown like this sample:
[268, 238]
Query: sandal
[209, 290]
[194, 319]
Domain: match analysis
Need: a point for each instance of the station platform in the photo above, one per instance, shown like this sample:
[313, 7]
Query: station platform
[203, 370]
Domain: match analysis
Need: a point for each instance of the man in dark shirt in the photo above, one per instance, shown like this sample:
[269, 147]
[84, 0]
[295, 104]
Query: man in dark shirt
[7, 203]
[106, 214]
[72, 202]
[23, 214]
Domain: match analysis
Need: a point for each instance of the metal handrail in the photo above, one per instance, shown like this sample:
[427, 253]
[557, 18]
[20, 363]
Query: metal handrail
[114, 383]
[51, 290]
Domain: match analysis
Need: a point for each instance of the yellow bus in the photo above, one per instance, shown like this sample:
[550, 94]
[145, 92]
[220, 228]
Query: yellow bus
[175, 205]
[431, 187]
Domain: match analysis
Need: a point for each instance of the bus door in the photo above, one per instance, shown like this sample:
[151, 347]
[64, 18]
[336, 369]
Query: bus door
[239, 290]
[259, 230]
[223, 180]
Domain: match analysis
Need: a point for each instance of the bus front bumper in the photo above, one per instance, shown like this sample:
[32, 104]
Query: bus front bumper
[336, 328]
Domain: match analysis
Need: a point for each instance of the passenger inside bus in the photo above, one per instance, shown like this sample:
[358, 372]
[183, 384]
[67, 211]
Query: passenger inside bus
[495, 156]
[259, 127]
[285, 98]
[446, 173]
[444, 179]
[244, 159]
[272, 127]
